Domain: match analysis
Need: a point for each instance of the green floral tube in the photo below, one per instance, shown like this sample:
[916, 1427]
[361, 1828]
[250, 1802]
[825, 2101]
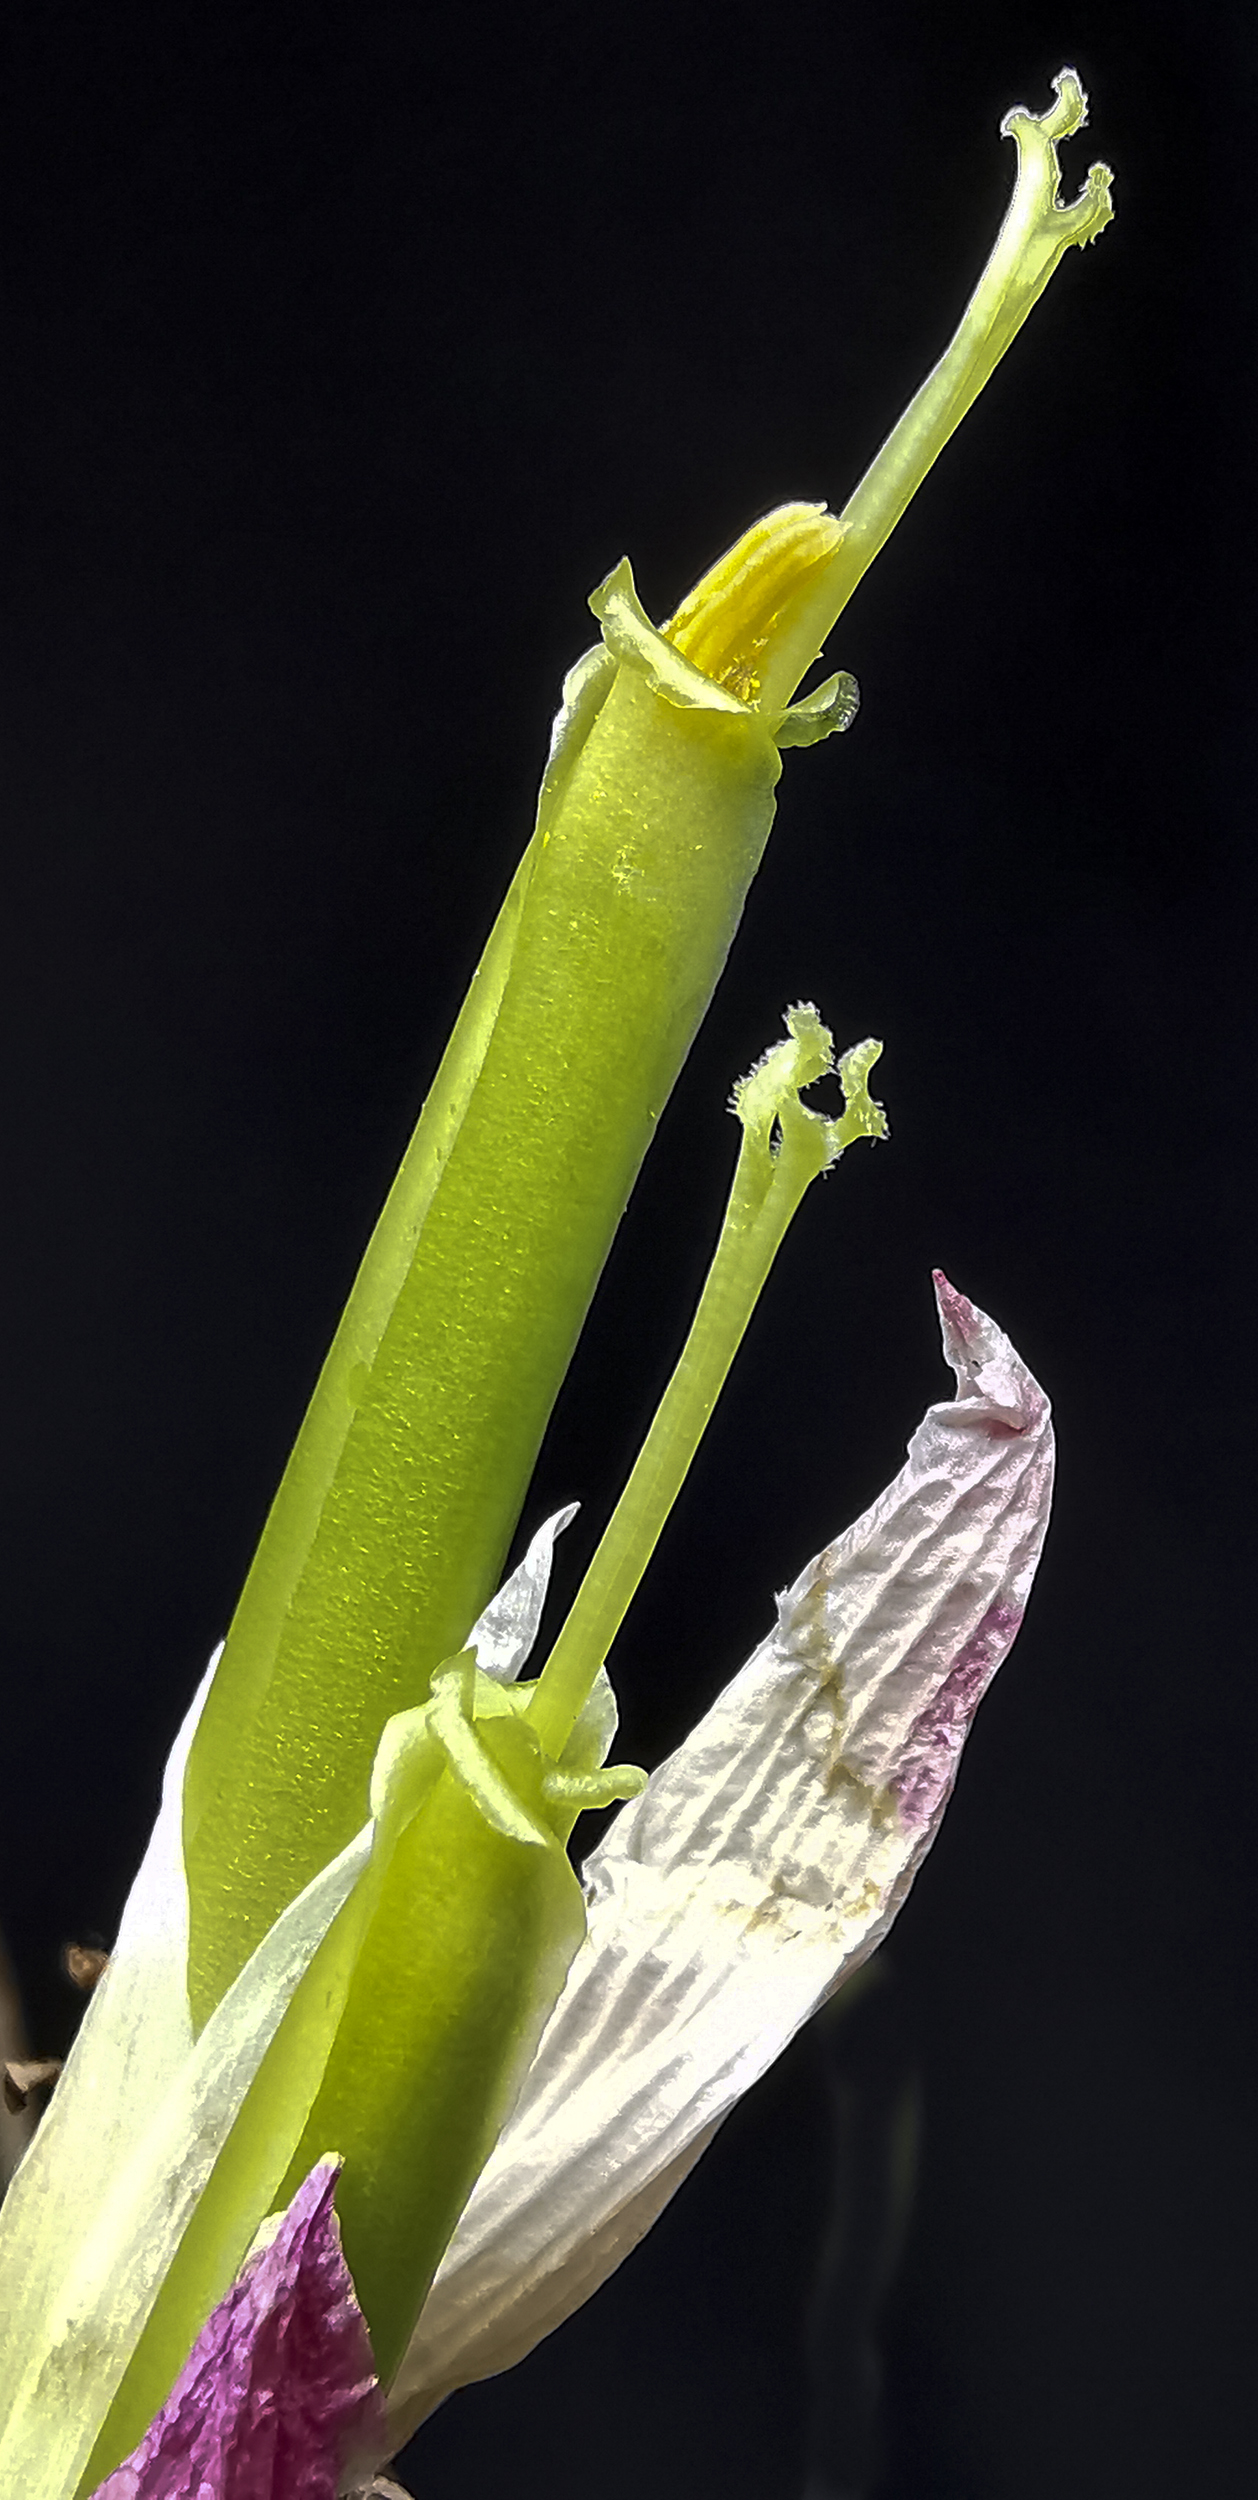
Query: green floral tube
[388, 1534]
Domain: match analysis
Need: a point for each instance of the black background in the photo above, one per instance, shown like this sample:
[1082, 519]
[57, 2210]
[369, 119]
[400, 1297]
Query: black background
[347, 349]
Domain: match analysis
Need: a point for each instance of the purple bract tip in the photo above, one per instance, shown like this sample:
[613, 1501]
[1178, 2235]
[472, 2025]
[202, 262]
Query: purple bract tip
[279, 2392]
[985, 1363]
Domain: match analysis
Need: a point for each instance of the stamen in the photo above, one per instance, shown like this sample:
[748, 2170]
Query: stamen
[749, 596]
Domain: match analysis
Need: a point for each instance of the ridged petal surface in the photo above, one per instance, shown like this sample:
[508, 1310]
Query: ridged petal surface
[762, 1865]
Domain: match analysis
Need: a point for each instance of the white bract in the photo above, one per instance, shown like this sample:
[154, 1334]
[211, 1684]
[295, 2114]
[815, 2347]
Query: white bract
[762, 1865]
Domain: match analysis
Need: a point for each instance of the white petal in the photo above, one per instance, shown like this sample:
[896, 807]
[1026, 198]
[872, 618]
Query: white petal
[764, 1862]
[504, 1635]
[134, 2036]
[137, 2122]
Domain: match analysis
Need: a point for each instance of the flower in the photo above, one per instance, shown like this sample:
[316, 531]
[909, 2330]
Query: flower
[411, 1990]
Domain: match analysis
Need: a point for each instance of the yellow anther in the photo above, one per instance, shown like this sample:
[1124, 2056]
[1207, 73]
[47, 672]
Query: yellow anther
[749, 601]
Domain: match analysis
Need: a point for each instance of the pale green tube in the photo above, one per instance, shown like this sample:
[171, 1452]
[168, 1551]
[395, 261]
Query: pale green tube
[390, 1530]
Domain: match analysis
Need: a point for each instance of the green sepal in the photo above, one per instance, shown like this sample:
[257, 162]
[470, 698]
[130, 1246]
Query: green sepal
[833, 706]
[581, 1781]
[631, 637]
[585, 690]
